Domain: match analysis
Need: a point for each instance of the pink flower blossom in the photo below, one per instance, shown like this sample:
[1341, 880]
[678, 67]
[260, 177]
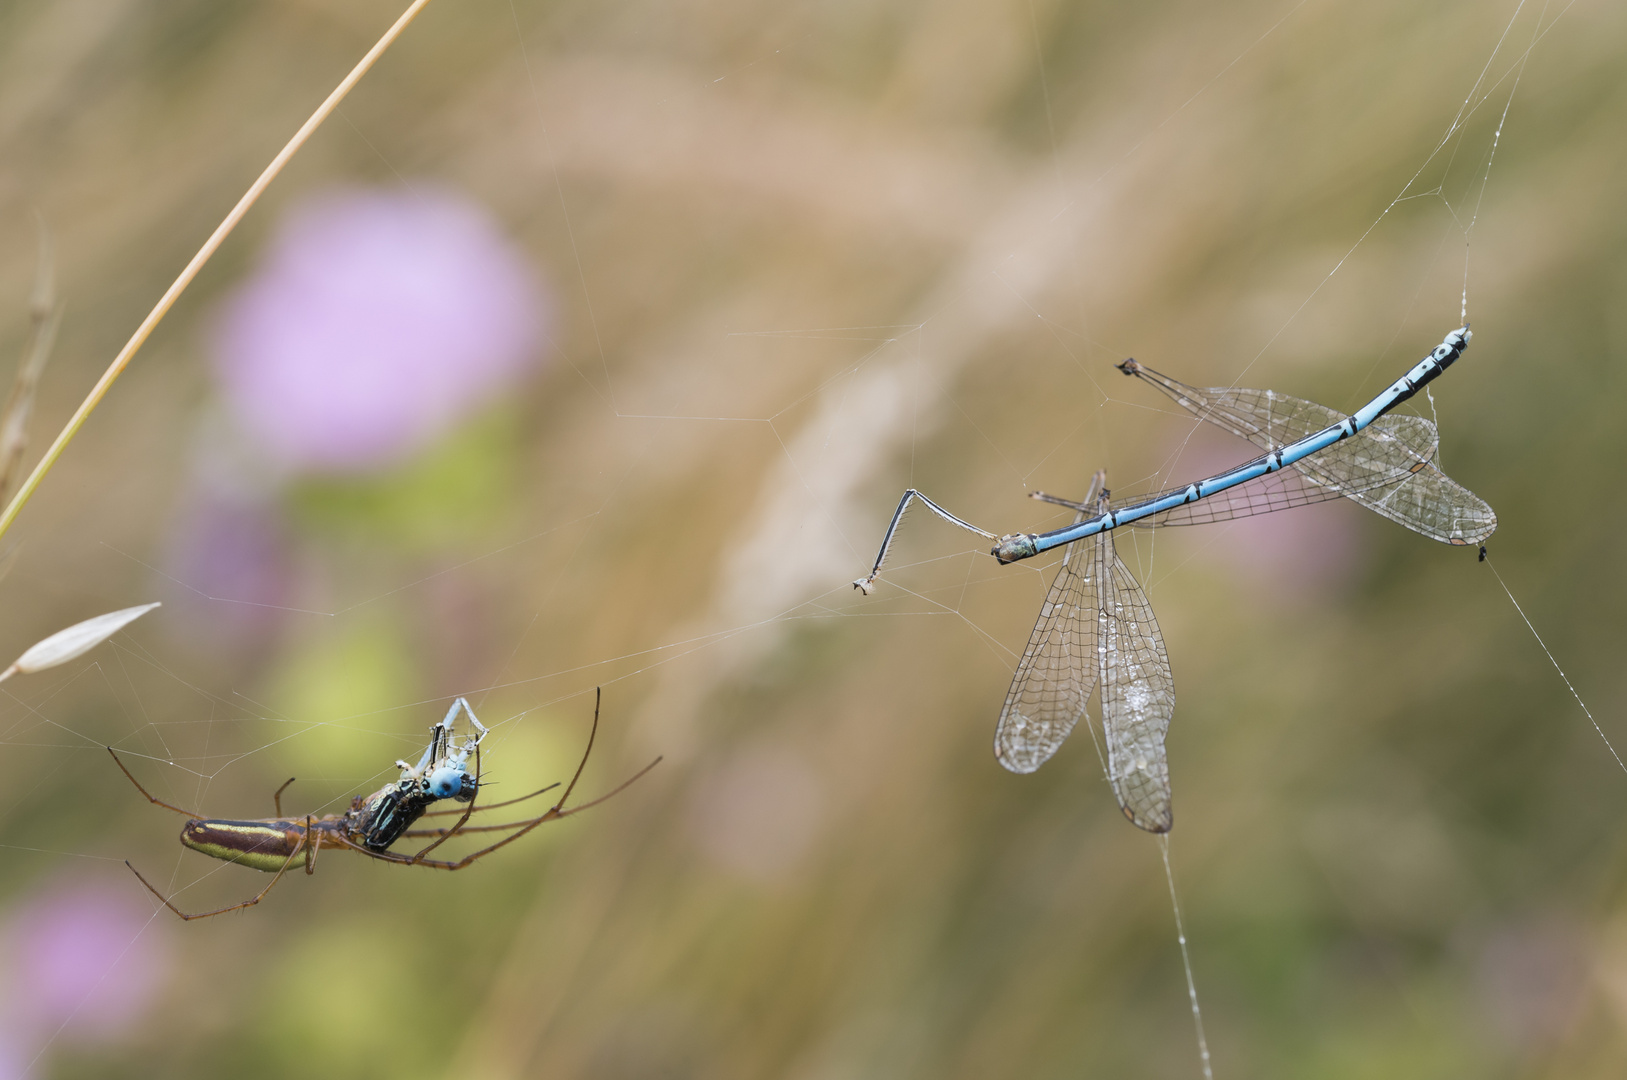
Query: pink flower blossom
[377, 320]
[82, 959]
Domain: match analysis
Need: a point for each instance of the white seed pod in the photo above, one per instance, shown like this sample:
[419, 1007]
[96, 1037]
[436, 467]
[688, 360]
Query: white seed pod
[75, 641]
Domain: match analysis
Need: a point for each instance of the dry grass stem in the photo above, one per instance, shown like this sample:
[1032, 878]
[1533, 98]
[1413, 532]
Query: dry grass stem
[44, 316]
[154, 317]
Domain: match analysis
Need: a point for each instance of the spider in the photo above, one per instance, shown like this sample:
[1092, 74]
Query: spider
[376, 821]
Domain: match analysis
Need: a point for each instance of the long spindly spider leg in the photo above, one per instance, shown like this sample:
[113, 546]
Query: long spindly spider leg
[157, 801]
[491, 806]
[593, 733]
[467, 829]
[306, 842]
[558, 813]
[276, 798]
[555, 813]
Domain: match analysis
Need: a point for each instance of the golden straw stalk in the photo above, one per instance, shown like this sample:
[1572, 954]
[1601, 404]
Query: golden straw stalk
[116, 368]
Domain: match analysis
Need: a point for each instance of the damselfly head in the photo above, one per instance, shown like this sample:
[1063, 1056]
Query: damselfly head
[1129, 367]
[1014, 547]
[451, 782]
[864, 584]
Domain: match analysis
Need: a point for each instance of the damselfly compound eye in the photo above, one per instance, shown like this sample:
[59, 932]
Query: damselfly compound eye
[448, 782]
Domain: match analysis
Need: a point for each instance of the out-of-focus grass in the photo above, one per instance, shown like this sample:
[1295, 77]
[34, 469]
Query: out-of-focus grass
[1396, 835]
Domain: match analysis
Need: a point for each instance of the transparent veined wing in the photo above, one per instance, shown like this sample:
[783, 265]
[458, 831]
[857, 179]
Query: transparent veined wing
[1280, 490]
[1058, 669]
[1138, 695]
[1388, 467]
[1096, 627]
[1269, 419]
[1432, 503]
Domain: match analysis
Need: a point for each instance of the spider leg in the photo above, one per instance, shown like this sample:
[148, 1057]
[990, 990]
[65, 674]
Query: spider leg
[159, 802]
[261, 895]
[617, 790]
[557, 811]
[523, 827]
[387, 856]
[551, 815]
[495, 805]
[593, 733]
[276, 799]
[466, 829]
[526, 826]
[520, 827]
[554, 813]
[445, 864]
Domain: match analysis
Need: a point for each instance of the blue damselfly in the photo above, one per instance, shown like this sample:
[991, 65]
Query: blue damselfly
[1387, 466]
[1096, 625]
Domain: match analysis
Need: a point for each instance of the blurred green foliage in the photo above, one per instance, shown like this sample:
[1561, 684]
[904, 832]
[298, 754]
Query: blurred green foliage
[461, 488]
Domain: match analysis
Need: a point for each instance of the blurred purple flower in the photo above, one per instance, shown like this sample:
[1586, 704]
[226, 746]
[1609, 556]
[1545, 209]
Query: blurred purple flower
[13, 1062]
[1308, 551]
[1301, 553]
[83, 959]
[376, 321]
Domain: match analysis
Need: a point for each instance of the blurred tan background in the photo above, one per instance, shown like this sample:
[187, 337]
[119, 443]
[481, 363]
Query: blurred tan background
[800, 256]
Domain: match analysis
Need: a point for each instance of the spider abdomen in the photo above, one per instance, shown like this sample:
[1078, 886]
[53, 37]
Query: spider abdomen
[263, 845]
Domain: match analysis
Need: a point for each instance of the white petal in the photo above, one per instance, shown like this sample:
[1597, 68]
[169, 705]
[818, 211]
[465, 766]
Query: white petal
[78, 639]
